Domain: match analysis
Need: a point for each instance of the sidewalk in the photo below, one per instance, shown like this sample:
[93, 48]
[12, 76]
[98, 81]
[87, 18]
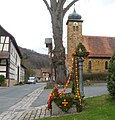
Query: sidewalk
[27, 108]
[23, 110]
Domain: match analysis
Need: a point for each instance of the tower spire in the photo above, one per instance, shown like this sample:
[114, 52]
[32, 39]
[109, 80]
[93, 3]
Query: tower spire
[74, 7]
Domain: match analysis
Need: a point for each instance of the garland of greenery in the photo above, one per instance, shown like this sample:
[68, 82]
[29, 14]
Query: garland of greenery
[70, 98]
[80, 51]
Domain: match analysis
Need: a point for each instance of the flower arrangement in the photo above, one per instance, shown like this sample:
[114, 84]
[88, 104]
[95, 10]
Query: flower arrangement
[54, 93]
[80, 51]
[65, 100]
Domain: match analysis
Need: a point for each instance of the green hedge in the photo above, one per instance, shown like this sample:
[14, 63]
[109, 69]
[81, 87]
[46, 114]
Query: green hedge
[95, 76]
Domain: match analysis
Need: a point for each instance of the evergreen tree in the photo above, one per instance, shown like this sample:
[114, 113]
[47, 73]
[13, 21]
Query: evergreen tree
[111, 76]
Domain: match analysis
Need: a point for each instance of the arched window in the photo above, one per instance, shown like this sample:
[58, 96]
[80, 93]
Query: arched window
[106, 65]
[89, 66]
[75, 26]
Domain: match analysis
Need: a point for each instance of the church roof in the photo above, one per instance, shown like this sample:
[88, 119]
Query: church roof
[3, 32]
[74, 16]
[99, 46]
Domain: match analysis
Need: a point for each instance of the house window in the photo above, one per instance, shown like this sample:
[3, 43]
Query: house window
[12, 51]
[106, 65]
[3, 62]
[2, 39]
[16, 59]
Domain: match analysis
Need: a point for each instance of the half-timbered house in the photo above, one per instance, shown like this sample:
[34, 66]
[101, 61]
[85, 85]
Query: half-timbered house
[10, 58]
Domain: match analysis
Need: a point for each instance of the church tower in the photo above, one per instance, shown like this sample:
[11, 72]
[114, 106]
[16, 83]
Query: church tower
[74, 34]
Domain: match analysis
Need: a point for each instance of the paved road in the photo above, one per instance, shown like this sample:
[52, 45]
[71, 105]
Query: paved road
[95, 90]
[30, 102]
[11, 95]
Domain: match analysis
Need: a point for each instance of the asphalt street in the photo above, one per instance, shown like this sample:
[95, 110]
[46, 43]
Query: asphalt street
[11, 95]
[90, 91]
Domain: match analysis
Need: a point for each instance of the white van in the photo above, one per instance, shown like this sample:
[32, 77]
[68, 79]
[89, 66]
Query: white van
[32, 80]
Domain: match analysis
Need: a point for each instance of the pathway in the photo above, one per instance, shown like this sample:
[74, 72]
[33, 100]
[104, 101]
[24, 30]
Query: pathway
[26, 108]
[23, 110]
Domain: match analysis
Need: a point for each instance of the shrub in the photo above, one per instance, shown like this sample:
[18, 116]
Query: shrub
[95, 76]
[2, 80]
[111, 76]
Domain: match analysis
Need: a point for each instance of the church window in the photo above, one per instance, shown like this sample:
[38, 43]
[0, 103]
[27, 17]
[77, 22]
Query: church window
[106, 65]
[89, 66]
[75, 28]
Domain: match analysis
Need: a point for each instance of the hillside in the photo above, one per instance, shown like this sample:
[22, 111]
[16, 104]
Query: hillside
[34, 60]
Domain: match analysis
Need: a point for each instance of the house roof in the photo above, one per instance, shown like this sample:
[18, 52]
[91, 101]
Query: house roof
[23, 66]
[99, 46]
[3, 32]
[46, 70]
[38, 72]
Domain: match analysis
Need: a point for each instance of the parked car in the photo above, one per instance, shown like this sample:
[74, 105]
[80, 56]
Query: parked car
[32, 80]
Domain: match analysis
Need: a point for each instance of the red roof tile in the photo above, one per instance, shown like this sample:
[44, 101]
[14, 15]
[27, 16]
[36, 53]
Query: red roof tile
[99, 46]
[46, 70]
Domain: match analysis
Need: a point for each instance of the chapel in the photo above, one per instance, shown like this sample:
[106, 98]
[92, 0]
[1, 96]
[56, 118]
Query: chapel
[100, 48]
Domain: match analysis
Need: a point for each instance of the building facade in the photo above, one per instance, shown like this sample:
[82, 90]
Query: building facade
[10, 58]
[100, 48]
[43, 74]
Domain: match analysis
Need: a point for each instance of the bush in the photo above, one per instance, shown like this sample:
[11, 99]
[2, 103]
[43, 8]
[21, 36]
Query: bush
[95, 76]
[111, 76]
[2, 80]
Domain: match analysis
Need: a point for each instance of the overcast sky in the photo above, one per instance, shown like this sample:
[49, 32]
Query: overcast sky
[29, 20]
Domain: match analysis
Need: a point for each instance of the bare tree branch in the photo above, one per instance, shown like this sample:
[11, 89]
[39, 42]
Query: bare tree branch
[53, 5]
[67, 8]
[48, 7]
[60, 4]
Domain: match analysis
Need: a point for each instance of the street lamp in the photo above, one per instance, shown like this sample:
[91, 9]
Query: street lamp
[48, 42]
[80, 61]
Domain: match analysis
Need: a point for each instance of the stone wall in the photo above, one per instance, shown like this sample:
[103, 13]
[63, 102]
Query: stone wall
[97, 65]
[57, 111]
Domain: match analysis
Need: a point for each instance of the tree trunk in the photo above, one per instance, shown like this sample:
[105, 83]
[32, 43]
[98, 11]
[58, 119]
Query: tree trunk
[59, 65]
[59, 50]
[57, 12]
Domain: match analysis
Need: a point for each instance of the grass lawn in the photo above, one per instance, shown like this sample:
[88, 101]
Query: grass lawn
[96, 108]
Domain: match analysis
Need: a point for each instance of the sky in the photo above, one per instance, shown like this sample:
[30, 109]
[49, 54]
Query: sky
[29, 20]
